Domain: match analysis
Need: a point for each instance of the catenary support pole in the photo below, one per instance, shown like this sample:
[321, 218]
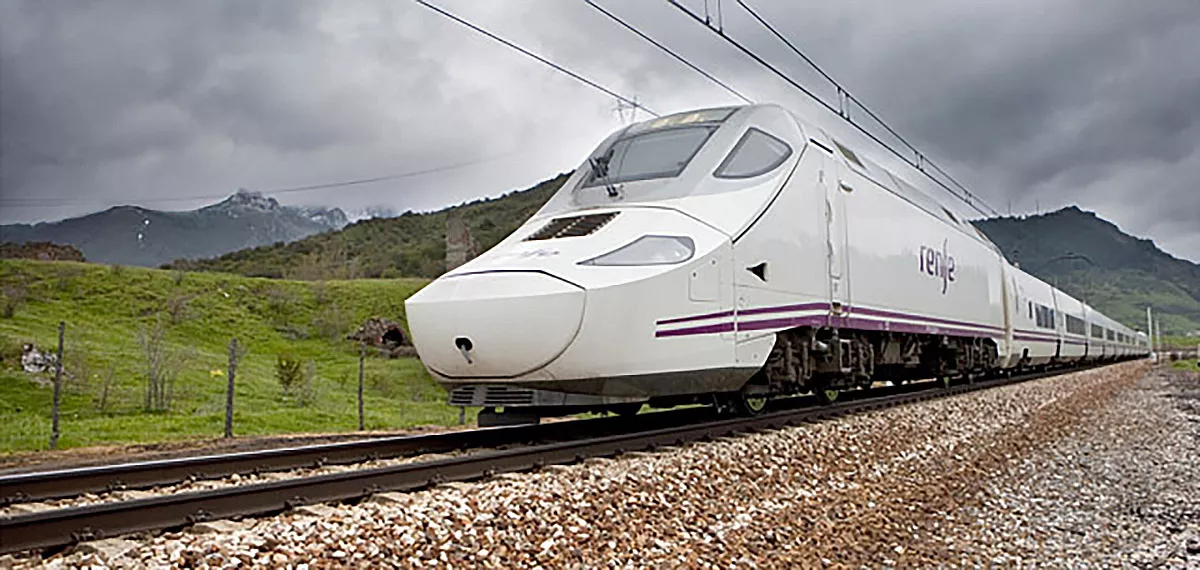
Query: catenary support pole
[1150, 334]
[1158, 338]
[1150, 327]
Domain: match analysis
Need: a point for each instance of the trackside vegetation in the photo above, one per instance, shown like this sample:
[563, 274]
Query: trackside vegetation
[128, 328]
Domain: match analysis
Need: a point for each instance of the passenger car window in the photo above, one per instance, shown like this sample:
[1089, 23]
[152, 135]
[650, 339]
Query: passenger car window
[755, 154]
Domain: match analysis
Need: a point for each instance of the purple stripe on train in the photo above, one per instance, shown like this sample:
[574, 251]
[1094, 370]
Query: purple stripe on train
[823, 319]
[703, 329]
[754, 311]
[883, 313]
[784, 309]
[703, 317]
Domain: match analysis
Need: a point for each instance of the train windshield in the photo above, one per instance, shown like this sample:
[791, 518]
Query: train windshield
[659, 148]
[656, 154]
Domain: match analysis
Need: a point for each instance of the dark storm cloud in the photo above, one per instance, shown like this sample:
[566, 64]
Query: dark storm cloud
[1032, 102]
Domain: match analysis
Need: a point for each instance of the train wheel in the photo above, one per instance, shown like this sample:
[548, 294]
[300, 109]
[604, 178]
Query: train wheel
[752, 404]
[827, 395]
[743, 402]
[626, 410]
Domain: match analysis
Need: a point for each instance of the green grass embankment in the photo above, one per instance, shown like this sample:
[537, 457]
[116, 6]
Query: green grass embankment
[107, 309]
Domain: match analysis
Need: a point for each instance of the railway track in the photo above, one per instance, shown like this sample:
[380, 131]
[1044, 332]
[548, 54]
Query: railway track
[64, 483]
[63, 527]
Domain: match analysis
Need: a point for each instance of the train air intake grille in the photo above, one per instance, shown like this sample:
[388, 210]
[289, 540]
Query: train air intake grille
[491, 396]
[573, 226]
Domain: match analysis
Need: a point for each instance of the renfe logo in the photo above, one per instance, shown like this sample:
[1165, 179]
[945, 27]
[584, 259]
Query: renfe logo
[938, 264]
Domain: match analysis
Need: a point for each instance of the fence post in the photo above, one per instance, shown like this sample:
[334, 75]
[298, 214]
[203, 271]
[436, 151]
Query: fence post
[362, 354]
[229, 388]
[58, 369]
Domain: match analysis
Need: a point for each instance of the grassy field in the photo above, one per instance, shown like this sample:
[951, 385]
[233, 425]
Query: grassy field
[1192, 364]
[108, 310]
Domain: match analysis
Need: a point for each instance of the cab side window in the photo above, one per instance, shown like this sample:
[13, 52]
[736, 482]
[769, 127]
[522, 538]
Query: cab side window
[755, 154]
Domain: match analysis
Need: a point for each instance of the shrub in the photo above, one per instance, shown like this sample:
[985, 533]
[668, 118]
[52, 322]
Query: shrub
[163, 364]
[288, 373]
[177, 307]
[14, 296]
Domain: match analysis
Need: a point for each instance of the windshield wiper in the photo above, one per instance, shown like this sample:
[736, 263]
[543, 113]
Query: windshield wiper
[599, 166]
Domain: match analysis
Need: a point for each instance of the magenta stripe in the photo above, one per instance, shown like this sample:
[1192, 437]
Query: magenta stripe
[883, 313]
[821, 320]
[696, 318]
[1046, 337]
[754, 311]
[705, 329]
[784, 309]
[894, 326]
[1016, 330]
[926, 325]
[782, 323]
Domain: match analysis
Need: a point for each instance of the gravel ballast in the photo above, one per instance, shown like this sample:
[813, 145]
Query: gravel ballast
[1092, 468]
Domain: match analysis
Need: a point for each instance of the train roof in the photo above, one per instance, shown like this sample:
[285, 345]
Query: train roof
[914, 186]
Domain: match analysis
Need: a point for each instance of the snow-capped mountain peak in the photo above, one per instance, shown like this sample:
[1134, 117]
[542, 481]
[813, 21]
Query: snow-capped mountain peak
[244, 201]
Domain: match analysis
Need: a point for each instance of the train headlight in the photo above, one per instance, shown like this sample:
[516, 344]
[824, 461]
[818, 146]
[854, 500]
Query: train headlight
[648, 250]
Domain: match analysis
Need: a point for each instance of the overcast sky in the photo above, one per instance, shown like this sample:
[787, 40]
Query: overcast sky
[172, 104]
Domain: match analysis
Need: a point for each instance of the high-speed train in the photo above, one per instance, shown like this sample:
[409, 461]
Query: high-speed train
[732, 255]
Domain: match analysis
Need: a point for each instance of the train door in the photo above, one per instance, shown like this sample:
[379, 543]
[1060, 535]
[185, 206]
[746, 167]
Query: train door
[837, 189]
[1085, 314]
[1011, 300]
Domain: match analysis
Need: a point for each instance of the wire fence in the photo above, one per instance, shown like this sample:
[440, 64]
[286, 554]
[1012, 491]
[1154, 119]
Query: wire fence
[65, 375]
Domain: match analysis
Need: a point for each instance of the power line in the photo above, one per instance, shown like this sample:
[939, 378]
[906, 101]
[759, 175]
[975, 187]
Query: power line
[668, 51]
[920, 162]
[48, 202]
[545, 61]
[51, 202]
[852, 98]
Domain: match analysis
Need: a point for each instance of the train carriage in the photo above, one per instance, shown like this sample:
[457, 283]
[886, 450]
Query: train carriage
[1071, 326]
[732, 255]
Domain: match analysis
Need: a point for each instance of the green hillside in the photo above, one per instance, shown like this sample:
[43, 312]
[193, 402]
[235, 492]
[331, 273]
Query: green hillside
[106, 308]
[1093, 260]
[410, 245]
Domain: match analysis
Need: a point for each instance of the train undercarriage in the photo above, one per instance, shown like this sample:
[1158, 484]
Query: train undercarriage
[824, 362]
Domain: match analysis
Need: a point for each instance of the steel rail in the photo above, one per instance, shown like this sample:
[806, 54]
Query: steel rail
[62, 527]
[62, 483]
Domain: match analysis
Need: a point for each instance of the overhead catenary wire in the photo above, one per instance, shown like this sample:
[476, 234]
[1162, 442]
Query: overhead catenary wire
[669, 51]
[551, 64]
[960, 191]
[920, 156]
[54, 202]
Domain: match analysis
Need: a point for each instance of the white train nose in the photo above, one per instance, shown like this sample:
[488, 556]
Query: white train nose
[494, 325]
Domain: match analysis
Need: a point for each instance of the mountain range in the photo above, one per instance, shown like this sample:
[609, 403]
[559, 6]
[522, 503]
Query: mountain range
[131, 235]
